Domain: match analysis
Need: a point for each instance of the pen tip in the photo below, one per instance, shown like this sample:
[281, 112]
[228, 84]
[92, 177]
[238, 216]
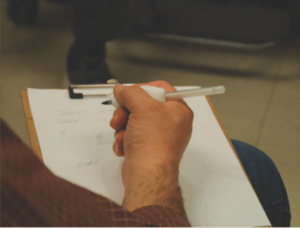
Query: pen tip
[106, 102]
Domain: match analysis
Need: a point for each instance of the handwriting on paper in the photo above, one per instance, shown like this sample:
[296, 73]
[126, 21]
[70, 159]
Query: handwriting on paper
[68, 116]
[67, 121]
[85, 164]
[68, 112]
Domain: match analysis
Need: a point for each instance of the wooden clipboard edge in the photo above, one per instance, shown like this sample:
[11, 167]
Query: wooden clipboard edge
[224, 132]
[232, 147]
[30, 125]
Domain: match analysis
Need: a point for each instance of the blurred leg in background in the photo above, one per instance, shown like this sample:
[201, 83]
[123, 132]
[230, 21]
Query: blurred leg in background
[94, 23]
[267, 183]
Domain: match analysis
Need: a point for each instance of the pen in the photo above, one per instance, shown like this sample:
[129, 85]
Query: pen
[161, 95]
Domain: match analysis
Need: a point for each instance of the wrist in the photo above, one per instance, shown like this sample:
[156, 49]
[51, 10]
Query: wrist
[157, 185]
[148, 167]
[151, 161]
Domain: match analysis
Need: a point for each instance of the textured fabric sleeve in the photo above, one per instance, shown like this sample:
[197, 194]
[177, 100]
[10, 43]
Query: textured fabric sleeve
[31, 195]
[162, 216]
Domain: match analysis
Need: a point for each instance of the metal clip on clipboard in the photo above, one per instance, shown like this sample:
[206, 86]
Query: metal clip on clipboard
[74, 95]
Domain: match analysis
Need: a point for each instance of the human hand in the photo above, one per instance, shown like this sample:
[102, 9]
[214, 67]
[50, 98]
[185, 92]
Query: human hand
[149, 132]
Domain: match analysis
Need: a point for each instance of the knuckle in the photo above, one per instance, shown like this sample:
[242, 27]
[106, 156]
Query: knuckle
[189, 116]
[163, 82]
[190, 113]
[124, 92]
[185, 115]
[127, 91]
[154, 105]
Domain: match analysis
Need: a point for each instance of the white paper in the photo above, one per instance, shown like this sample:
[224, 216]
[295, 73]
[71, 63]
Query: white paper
[76, 143]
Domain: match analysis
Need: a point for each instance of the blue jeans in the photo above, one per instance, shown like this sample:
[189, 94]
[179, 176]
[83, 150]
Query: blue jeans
[267, 183]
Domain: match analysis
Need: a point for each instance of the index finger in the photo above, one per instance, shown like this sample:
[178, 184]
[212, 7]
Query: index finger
[133, 98]
[162, 84]
[165, 85]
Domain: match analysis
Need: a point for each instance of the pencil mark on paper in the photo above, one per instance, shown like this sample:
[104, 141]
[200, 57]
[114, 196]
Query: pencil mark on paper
[85, 164]
[105, 138]
[100, 120]
[67, 121]
[106, 110]
[68, 112]
[63, 132]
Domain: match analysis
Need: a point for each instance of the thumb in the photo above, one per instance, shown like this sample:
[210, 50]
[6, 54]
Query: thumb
[133, 98]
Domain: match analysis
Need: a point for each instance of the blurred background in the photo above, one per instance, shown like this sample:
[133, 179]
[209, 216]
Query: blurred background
[251, 47]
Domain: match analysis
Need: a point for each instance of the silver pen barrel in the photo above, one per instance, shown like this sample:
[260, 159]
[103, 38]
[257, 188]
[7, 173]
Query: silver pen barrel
[195, 92]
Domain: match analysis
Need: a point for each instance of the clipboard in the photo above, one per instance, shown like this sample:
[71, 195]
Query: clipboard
[36, 146]
[33, 135]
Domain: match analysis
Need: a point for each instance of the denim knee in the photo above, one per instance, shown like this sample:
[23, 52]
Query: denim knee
[266, 182]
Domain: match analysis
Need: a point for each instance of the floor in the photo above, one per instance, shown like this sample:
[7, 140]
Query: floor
[261, 104]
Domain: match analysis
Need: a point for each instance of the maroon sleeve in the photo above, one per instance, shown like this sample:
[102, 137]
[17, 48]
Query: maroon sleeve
[31, 195]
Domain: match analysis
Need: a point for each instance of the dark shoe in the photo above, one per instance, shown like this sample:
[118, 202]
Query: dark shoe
[86, 65]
